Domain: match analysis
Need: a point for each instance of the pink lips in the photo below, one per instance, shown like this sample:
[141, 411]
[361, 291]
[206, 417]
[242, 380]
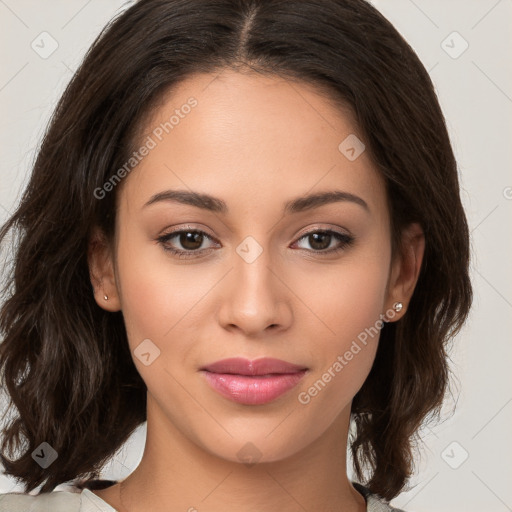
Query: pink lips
[253, 382]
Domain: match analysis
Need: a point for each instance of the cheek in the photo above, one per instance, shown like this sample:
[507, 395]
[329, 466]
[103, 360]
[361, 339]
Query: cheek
[349, 303]
[347, 299]
[158, 304]
[155, 296]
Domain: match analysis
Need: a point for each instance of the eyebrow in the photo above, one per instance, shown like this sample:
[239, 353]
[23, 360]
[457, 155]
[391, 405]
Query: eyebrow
[214, 204]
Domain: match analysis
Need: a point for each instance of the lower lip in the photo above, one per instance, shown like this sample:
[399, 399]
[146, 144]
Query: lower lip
[250, 390]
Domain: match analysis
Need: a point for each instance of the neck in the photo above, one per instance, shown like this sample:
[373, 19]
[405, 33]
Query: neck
[191, 479]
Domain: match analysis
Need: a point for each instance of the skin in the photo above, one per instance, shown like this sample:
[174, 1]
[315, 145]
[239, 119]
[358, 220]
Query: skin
[255, 142]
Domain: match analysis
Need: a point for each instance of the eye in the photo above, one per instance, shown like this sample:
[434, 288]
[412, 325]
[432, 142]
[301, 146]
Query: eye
[190, 240]
[321, 241]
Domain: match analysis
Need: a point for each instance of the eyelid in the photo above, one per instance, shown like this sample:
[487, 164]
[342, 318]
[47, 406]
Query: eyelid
[302, 234]
[344, 239]
[329, 228]
[185, 227]
[314, 229]
[164, 241]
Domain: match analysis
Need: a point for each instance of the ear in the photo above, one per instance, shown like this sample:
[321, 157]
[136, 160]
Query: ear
[101, 271]
[405, 269]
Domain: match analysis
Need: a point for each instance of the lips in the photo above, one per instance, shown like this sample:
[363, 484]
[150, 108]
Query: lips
[252, 382]
[263, 366]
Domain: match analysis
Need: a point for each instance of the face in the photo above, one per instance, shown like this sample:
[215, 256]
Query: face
[256, 272]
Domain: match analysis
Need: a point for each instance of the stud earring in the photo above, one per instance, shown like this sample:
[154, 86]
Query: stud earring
[105, 297]
[397, 306]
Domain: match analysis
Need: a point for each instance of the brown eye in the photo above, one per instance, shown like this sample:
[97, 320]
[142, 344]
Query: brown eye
[188, 242]
[320, 241]
[191, 240]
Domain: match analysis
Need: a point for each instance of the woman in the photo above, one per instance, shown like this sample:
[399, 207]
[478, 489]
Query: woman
[243, 227]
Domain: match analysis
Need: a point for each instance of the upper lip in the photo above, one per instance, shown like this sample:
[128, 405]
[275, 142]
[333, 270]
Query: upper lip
[263, 366]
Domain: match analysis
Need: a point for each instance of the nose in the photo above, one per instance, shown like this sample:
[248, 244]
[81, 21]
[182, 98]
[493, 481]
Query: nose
[255, 299]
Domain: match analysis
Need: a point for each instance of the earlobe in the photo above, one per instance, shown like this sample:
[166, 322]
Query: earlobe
[101, 271]
[405, 272]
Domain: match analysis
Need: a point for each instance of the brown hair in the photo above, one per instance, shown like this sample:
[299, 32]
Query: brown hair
[66, 363]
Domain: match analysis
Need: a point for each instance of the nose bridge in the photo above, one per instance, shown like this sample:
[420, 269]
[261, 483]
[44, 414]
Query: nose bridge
[257, 298]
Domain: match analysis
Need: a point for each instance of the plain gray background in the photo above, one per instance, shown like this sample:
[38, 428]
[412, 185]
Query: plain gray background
[466, 47]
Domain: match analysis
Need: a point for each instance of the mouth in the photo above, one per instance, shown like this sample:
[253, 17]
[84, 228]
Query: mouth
[259, 367]
[252, 382]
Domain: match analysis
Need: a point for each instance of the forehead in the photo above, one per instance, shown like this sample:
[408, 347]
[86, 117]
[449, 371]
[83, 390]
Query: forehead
[246, 138]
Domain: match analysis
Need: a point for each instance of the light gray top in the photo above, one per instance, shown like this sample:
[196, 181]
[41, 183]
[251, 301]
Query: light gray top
[87, 501]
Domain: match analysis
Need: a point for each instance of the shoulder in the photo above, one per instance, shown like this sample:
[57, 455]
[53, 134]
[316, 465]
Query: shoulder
[65, 498]
[56, 501]
[373, 502]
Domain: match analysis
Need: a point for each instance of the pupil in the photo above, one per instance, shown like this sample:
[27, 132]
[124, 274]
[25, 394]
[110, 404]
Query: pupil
[191, 241]
[314, 240]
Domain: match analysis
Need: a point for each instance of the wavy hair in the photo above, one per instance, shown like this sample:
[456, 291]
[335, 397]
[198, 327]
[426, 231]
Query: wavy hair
[65, 362]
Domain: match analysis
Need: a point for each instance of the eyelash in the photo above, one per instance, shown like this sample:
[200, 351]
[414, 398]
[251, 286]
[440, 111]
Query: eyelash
[344, 239]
